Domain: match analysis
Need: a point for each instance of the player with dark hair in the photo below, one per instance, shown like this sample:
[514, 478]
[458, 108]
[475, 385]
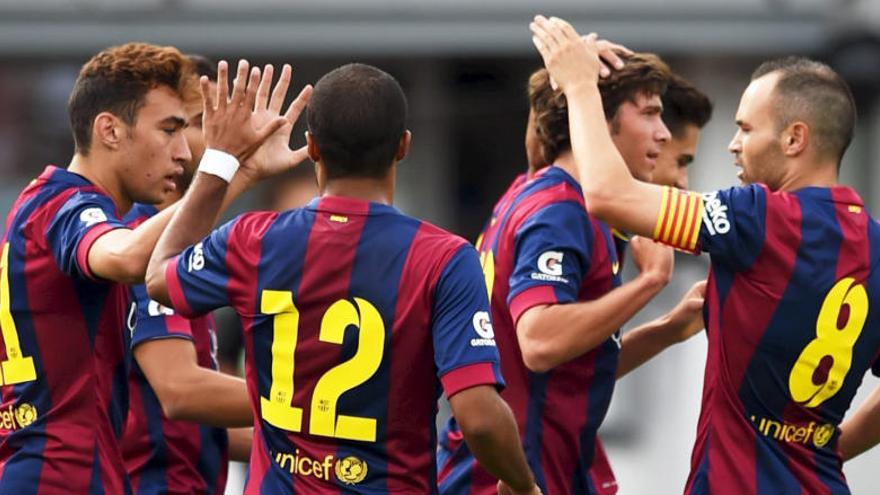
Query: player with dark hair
[66, 256]
[354, 314]
[556, 294]
[686, 110]
[165, 448]
[792, 267]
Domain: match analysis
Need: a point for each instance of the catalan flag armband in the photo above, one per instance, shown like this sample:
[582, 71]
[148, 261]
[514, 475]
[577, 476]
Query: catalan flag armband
[680, 218]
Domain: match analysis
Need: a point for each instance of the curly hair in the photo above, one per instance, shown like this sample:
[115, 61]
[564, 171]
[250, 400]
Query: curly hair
[117, 80]
[642, 73]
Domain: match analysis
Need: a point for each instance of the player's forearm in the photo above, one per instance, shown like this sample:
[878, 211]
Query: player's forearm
[596, 156]
[240, 440]
[861, 431]
[641, 344]
[208, 397]
[197, 213]
[489, 430]
[555, 334]
[123, 255]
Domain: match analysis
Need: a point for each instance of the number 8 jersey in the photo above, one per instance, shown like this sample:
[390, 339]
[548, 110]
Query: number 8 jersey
[355, 316]
[792, 320]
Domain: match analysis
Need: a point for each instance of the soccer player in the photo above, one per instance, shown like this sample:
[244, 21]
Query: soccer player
[556, 294]
[354, 314]
[163, 454]
[66, 256]
[686, 110]
[791, 282]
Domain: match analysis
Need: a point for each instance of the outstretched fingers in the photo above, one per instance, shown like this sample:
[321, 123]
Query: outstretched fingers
[279, 93]
[298, 104]
[263, 90]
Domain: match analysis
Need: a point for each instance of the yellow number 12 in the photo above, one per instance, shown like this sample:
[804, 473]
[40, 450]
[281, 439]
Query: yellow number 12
[277, 409]
[17, 368]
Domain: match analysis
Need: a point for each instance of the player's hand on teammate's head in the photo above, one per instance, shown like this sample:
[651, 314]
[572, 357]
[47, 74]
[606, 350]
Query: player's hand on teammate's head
[275, 156]
[572, 60]
[652, 259]
[687, 316]
[229, 123]
[609, 54]
[504, 489]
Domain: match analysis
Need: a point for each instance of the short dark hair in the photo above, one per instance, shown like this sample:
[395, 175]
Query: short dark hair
[641, 73]
[118, 79]
[811, 92]
[684, 104]
[357, 116]
[203, 66]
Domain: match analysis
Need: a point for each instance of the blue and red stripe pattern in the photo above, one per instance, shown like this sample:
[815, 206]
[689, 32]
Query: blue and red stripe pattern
[544, 249]
[791, 335]
[356, 317]
[64, 345]
[164, 456]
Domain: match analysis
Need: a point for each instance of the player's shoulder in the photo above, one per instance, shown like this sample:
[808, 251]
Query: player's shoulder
[138, 214]
[551, 193]
[431, 238]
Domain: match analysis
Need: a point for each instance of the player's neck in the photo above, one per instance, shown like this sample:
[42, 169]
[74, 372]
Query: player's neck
[822, 176]
[565, 161]
[365, 189]
[99, 173]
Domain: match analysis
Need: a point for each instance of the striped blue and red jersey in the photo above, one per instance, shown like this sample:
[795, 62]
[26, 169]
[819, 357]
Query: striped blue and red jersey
[164, 456]
[64, 344]
[791, 335]
[355, 318]
[544, 249]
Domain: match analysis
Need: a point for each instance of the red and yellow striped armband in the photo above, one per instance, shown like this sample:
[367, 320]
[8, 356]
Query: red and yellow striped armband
[680, 218]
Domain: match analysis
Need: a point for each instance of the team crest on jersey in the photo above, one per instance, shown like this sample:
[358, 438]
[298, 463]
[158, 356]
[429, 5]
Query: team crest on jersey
[25, 414]
[550, 267]
[483, 326]
[715, 214]
[351, 470]
[91, 216]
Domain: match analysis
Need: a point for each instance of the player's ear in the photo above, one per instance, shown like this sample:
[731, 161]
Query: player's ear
[312, 147]
[108, 130]
[403, 147]
[795, 139]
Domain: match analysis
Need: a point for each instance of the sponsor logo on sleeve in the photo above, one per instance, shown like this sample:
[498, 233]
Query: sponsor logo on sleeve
[550, 267]
[483, 326]
[715, 214]
[91, 216]
[156, 309]
[196, 258]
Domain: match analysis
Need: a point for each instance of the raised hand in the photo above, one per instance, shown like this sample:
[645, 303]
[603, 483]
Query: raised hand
[608, 53]
[570, 58]
[652, 258]
[229, 123]
[275, 155]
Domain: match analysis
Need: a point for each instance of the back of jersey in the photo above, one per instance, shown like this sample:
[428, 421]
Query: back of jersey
[791, 334]
[354, 316]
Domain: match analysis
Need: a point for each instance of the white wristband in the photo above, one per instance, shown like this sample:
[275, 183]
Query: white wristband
[219, 163]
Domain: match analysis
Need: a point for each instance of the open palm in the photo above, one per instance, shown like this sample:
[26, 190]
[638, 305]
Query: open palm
[275, 156]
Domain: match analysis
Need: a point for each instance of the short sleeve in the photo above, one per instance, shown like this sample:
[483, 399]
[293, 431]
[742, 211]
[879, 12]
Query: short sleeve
[80, 221]
[728, 224]
[461, 328]
[732, 230]
[553, 252]
[155, 321]
[198, 278]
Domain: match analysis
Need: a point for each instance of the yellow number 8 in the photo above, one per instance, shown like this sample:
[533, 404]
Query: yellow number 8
[831, 341]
